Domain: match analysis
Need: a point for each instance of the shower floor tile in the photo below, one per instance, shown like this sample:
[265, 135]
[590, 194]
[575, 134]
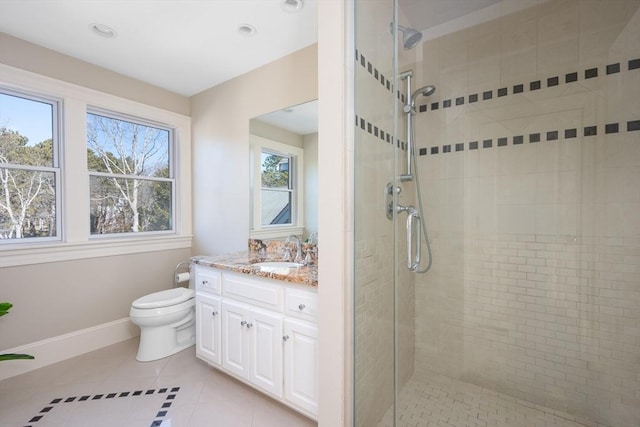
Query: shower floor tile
[433, 400]
[108, 387]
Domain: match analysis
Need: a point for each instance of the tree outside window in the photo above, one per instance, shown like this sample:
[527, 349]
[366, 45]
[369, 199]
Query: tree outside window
[28, 168]
[131, 182]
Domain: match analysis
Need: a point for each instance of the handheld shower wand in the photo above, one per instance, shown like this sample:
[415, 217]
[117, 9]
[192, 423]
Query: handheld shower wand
[409, 110]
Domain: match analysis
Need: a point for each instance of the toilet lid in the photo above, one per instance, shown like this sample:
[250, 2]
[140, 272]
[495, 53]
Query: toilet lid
[164, 298]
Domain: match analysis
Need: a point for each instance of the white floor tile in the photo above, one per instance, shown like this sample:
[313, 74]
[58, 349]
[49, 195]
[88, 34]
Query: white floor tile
[108, 387]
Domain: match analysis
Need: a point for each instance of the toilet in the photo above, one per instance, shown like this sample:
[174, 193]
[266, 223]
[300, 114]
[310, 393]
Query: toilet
[167, 322]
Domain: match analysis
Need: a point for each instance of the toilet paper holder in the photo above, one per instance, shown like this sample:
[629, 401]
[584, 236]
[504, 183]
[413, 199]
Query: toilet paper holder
[181, 274]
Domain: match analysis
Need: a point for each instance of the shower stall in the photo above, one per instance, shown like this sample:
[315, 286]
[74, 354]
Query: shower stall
[526, 159]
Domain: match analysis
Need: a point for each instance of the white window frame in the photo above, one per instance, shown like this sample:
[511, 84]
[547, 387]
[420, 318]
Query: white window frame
[74, 231]
[171, 179]
[55, 167]
[258, 230]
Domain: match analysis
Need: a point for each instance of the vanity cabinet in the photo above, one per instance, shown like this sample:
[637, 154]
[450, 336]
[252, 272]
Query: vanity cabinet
[208, 328]
[301, 364]
[207, 285]
[261, 331]
[252, 345]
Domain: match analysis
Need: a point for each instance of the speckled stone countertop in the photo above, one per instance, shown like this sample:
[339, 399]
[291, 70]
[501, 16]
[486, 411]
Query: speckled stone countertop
[239, 262]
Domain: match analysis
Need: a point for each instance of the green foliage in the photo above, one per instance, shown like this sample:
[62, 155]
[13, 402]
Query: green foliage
[4, 309]
[27, 197]
[273, 176]
[122, 202]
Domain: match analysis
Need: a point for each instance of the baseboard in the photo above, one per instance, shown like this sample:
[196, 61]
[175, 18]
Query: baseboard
[56, 349]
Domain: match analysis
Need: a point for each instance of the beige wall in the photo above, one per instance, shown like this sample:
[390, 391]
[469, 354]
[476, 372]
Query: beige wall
[27, 56]
[220, 149]
[53, 299]
[275, 133]
[56, 298]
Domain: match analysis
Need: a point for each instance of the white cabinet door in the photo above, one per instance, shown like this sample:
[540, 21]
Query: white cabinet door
[234, 339]
[301, 365]
[208, 329]
[265, 357]
[252, 345]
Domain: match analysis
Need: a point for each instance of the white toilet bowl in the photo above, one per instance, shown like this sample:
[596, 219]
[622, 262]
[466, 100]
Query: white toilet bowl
[167, 323]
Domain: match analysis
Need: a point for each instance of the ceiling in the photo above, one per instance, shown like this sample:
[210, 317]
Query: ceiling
[301, 119]
[185, 46]
[424, 14]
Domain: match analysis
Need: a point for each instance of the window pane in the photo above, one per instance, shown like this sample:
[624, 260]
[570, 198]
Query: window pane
[26, 131]
[121, 205]
[275, 171]
[276, 207]
[126, 148]
[31, 207]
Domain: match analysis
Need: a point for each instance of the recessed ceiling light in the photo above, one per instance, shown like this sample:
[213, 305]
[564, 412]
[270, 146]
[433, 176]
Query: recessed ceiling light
[103, 30]
[247, 30]
[291, 5]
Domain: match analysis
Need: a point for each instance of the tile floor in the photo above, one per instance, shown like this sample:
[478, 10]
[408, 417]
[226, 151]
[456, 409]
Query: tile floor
[108, 387]
[430, 399]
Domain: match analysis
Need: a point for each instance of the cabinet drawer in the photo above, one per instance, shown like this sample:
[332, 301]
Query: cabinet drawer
[244, 288]
[302, 304]
[207, 280]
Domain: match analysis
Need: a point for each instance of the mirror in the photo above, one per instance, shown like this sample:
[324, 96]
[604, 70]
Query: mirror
[284, 172]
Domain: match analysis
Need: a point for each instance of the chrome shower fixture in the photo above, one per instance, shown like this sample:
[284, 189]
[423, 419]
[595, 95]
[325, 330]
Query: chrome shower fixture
[410, 36]
[424, 91]
[409, 110]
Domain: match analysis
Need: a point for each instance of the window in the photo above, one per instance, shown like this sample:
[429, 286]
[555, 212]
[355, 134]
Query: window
[29, 169]
[277, 189]
[80, 182]
[131, 181]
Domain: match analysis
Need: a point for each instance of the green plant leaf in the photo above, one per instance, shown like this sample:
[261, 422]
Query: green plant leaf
[4, 308]
[13, 356]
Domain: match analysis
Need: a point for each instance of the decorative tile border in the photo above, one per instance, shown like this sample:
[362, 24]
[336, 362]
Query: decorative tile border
[374, 130]
[158, 418]
[551, 135]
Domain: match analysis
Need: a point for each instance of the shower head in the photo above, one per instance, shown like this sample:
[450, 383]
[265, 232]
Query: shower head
[424, 91]
[410, 37]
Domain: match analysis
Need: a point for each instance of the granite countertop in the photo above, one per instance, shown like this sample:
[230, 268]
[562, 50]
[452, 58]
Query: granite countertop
[239, 262]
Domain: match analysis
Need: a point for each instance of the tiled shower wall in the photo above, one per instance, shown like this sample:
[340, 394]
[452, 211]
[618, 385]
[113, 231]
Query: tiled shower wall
[530, 170]
[377, 305]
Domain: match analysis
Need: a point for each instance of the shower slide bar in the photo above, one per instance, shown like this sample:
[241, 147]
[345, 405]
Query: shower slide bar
[413, 238]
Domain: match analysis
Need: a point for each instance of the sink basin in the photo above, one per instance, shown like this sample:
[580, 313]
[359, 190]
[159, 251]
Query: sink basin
[282, 267]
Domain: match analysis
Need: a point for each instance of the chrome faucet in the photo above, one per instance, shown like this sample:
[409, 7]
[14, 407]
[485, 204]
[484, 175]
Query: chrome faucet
[287, 251]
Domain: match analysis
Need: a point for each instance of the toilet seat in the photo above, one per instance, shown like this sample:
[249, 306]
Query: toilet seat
[165, 298]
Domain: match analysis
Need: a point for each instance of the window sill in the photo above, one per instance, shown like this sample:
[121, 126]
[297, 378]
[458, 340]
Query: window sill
[276, 233]
[56, 252]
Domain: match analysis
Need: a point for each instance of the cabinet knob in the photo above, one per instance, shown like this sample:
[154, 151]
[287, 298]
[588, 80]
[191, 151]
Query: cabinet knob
[205, 282]
[243, 323]
[249, 325]
[301, 307]
[285, 338]
[214, 313]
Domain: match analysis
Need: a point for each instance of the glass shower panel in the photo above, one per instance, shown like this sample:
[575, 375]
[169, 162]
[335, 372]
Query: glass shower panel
[529, 161]
[530, 158]
[374, 233]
